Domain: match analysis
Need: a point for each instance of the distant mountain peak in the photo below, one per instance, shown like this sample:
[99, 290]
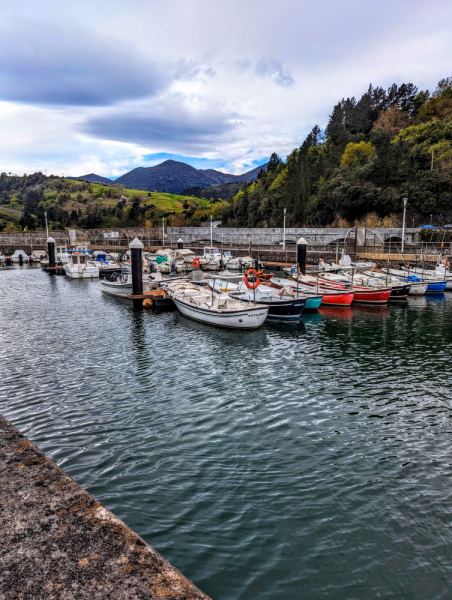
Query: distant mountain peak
[172, 176]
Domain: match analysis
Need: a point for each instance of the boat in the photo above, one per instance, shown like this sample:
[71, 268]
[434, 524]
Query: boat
[360, 283]
[213, 260]
[78, 266]
[18, 256]
[313, 300]
[282, 303]
[362, 294]
[330, 295]
[120, 285]
[434, 286]
[416, 288]
[37, 256]
[215, 308]
[105, 263]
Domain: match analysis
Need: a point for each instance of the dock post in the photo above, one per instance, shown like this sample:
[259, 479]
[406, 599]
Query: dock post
[136, 247]
[51, 251]
[21, 260]
[180, 244]
[301, 255]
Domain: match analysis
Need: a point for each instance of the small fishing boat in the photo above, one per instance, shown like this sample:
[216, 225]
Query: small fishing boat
[313, 300]
[79, 266]
[331, 295]
[215, 308]
[19, 256]
[120, 285]
[367, 290]
[416, 288]
[282, 303]
[434, 286]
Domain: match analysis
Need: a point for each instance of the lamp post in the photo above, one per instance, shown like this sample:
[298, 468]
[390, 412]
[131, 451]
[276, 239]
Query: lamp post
[163, 231]
[405, 200]
[47, 227]
[284, 230]
[211, 231]
[431, 220]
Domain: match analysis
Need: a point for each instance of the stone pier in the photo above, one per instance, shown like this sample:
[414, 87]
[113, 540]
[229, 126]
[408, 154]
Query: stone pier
[58, 542]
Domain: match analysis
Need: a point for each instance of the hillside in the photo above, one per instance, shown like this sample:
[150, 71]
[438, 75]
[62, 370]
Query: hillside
[388, 145]
[80, 204]
[216, 192]
[172, 177]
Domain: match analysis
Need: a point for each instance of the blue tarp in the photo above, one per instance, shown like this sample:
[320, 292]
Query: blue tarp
[429, 227]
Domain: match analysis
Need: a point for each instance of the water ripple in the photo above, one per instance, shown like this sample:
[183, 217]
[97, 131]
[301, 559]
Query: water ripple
[310, 460]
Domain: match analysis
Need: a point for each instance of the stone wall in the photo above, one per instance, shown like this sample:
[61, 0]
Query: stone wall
[221, 235]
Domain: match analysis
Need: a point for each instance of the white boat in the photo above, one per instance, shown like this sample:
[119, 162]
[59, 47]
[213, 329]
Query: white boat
[416, 288]
[79, 266]
[16, 257]
[215, 308]
[120, 284]
[38, 255]
[212, 259]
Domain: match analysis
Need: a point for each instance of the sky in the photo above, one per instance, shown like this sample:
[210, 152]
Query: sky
[107, 86]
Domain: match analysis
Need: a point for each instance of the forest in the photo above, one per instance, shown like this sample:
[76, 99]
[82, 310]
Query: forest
[388, 145]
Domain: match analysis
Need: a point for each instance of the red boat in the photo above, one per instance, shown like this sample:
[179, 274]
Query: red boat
[331, 295]
[363, 294]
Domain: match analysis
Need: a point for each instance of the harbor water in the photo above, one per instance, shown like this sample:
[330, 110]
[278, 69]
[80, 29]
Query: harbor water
[309, 460]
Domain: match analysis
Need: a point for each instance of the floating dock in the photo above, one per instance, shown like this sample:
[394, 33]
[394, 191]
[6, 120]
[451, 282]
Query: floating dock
[57, 541]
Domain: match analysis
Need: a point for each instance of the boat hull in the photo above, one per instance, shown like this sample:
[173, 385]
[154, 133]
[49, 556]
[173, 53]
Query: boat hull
[313, 302]
[84, 275]
[372, 296]
[289, 310]
[436, 287]
[251, 318]
[400, 292]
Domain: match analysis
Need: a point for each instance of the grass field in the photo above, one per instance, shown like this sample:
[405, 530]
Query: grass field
[164, 202]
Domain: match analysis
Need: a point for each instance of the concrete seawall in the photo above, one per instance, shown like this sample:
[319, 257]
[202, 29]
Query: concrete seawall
[58, 542]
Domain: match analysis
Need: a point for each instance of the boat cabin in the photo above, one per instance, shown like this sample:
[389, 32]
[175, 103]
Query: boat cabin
[211, 252]
[77, 259]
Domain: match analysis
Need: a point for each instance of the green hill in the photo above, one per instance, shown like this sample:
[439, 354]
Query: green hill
[80, 204]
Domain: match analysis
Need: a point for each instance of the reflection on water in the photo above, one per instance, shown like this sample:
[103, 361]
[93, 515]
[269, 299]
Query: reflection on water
[307, 460]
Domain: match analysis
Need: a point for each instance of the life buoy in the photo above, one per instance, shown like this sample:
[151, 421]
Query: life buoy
[252, 286]
[196, 262]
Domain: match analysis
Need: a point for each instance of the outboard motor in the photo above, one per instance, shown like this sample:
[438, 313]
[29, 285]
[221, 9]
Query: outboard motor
[152, 268]
[173, 267]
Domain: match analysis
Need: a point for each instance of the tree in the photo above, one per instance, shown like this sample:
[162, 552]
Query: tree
[358, 153]
[273, 162]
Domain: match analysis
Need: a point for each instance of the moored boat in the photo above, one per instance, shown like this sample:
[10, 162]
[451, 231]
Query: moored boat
[282, 303]
[215, 308]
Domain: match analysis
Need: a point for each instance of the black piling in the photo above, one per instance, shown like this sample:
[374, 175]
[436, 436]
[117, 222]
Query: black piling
[21, 260]
[301, 256]
[51, 251]
[136, 248]
[180, 244]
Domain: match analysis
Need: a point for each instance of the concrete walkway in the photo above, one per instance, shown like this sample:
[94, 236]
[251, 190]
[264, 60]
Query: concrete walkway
[57, 541]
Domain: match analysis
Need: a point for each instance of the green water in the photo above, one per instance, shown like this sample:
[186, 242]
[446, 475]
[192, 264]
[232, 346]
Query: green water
[298, 461]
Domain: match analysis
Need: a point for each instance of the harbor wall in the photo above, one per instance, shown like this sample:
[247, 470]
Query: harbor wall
[57, 541]
[220, 235]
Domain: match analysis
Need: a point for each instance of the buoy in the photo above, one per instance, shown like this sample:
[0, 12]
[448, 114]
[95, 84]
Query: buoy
[148, 303]
[196, 262]
[251, 286]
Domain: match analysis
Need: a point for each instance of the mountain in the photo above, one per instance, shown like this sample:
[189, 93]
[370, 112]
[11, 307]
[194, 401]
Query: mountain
[172, 177]
[94, 179]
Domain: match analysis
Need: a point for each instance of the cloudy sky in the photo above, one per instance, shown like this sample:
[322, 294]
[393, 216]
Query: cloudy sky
[106, 86]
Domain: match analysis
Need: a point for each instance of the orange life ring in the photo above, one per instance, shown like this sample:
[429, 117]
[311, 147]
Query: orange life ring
[196, 262]
[252, 286]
